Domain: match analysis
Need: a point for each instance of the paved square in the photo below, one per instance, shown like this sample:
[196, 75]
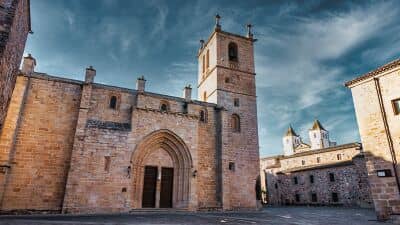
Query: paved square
[271, 215]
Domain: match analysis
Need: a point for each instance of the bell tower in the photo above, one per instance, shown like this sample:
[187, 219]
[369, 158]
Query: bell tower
[226, 65]
[226, 77]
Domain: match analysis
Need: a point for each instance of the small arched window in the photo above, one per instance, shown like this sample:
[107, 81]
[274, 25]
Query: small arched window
[233, 52]
[164, 107]
[203, 116]
[235, 120]
[113, 102]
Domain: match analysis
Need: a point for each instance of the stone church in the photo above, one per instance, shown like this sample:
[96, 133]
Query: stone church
[76, 146]
[319, 173]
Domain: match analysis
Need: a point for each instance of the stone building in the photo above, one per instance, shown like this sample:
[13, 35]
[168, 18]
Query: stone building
[84, 147]
[14, 28]
[376, 99]
[322, 173]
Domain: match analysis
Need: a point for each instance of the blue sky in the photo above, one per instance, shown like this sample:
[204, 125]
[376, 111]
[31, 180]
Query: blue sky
[305, 51]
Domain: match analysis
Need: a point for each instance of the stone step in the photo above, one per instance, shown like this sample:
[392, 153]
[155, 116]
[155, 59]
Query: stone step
[166, 210]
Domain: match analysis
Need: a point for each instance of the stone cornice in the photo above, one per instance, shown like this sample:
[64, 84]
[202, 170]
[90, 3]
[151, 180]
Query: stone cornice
[384, 68]
[318, 151]
[108, 125]
[189, 116]
[222, 67]
[318, 167]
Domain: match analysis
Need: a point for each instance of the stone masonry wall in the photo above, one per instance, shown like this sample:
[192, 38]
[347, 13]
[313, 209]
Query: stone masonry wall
[14, 28]
[40, 155]
[347, 185]
[350, 177]
[91, 188]
[375, 140]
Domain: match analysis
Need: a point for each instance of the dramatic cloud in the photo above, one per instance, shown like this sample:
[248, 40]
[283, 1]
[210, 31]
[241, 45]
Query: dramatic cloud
[304, 53]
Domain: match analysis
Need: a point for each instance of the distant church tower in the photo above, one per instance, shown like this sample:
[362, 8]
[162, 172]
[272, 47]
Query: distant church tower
[290, 141]
[319, 137]
[227, 77]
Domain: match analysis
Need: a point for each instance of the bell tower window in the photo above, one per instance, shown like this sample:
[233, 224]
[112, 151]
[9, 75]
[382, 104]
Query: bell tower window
[236, 102]
[233, 52]
[235, 120]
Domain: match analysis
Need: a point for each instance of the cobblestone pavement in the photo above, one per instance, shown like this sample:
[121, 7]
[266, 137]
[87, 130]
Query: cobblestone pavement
[270, 215]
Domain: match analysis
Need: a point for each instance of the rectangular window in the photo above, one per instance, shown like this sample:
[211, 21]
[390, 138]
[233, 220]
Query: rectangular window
[276, 185]
[396, 106]
[236, 102]
[331, 177]
[318, 159]
[297, 197]
[339, 156]
[107, 162]
[295, 180]
[231, 166]
[335, 197]
[303, 162]
[311, 179]
[314, 197]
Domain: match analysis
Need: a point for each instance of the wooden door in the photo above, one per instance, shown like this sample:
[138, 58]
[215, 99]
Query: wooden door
[149, 187]
[167, 180]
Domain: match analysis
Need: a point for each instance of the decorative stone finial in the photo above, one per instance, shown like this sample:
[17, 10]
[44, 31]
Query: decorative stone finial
[187, 92]
[249, 33]
[140, 84]
[28, 65]
[217, 24]
[90, 74]
[201, 44]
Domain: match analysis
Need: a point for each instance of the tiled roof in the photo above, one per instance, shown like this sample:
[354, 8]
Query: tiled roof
[386, 67]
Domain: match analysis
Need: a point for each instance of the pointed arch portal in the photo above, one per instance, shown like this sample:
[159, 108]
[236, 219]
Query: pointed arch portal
[181, 161]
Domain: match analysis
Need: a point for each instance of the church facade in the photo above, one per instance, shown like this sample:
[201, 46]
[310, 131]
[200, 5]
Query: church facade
[82, 147]
[319, 173]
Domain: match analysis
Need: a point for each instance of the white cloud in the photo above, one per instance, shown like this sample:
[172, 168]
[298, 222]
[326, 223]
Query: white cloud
[291, 68]
[298, 69]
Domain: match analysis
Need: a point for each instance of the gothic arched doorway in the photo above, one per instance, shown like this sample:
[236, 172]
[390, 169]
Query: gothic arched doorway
[161, 167]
